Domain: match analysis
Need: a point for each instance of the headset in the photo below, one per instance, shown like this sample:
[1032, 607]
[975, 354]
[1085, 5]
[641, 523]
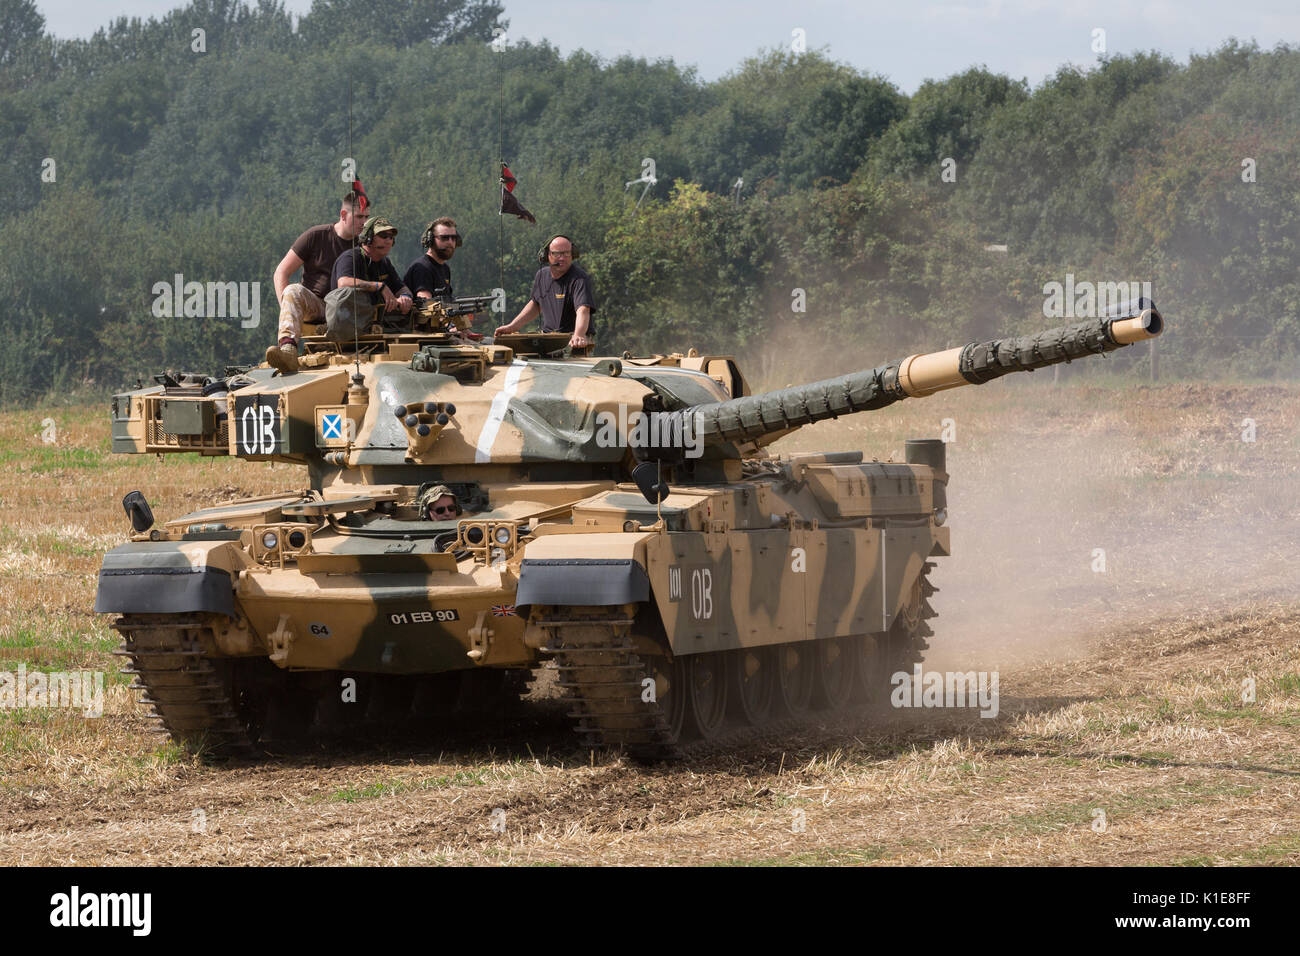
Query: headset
[368, 233]
[542, 252]
[426, 237]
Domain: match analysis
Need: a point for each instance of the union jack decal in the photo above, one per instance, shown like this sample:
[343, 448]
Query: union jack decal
[503, 610]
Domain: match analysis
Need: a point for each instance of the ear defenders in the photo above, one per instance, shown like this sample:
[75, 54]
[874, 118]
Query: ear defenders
[541, 253]
[426, 237]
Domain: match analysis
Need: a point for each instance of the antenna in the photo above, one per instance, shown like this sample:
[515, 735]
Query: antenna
[356, 334]
[501, 158]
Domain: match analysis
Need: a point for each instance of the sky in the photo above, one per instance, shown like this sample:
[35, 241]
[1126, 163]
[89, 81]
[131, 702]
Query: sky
[907, 42]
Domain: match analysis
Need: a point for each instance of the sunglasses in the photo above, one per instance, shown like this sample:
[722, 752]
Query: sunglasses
[560, 255]
[443, 509]
[450, 237]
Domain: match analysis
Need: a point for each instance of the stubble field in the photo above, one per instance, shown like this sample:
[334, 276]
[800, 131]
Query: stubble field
[1123, 558]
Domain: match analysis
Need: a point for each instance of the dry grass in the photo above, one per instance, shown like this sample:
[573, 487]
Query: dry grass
[1121, 691]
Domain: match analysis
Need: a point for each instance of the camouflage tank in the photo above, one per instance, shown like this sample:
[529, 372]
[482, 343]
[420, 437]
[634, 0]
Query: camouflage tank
[618, 515]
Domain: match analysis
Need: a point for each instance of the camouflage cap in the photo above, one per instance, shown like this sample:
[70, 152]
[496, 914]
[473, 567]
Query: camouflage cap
[430, 495]
[375, 225]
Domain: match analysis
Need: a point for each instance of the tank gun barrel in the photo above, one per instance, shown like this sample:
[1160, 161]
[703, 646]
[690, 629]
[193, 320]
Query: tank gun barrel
[755, 417]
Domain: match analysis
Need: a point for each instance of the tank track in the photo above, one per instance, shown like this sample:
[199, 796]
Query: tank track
[191, 696]
[602, 675]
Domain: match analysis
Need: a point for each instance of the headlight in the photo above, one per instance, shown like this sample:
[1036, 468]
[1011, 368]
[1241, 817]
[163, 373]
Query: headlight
[502, 535]
[296, 540]
[269, 540]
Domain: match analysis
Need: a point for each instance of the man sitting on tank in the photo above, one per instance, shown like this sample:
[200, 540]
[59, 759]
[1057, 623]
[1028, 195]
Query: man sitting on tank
[563, 293]
[370, 270]
[314, 252]
[438, 504]
[429, 276]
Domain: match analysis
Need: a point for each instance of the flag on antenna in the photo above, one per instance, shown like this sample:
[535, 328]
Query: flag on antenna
[359, 191]
[509, 204]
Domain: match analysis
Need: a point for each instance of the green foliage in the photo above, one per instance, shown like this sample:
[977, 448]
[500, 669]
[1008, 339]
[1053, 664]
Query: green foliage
[21, 24]
[400, 25]
[842, 243]
[945, 119]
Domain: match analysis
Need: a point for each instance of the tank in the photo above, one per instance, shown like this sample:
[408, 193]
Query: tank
[619, 516]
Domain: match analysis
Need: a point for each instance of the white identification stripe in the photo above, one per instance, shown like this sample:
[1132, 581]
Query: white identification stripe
[498, 412]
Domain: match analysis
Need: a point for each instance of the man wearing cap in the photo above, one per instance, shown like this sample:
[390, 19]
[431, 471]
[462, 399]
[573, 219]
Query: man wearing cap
[563, 293]
[314, 252]
[370, 270]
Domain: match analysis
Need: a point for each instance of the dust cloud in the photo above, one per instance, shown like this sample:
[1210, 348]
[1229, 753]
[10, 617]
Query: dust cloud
[1077, 513]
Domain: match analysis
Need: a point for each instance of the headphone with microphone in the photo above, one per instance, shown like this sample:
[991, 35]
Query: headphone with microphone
[426, 237]
[542, 252]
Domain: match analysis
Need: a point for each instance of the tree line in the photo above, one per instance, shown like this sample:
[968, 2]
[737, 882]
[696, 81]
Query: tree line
[801, 207]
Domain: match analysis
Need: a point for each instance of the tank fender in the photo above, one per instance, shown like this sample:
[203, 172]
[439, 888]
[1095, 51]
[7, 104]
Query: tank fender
[594, 570]
[168, 577]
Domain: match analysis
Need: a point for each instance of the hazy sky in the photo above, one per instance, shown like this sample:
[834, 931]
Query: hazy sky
[906, 40]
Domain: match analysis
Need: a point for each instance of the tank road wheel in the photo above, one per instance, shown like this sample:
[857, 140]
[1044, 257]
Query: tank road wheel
[796, 670]
[836, 672]
[707, 675]
[672, 683]
[753, 683]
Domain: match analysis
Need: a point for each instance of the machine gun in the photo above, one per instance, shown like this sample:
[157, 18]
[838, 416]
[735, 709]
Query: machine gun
[438, 313]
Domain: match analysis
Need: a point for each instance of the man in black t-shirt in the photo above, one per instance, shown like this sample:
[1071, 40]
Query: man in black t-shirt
[562, 293]
[369, 268]
[429, 277]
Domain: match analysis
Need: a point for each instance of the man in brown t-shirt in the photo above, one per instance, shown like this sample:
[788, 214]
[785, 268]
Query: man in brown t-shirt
[314, 252]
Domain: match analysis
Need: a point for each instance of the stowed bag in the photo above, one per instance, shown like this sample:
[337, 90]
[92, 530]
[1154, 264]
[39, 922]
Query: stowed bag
[349, 312]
